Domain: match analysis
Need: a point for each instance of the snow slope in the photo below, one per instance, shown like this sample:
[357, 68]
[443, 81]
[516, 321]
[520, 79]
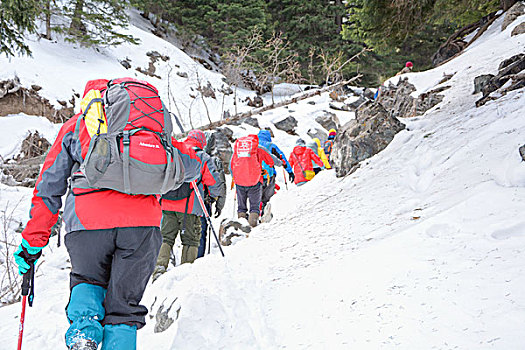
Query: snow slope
[421, 248]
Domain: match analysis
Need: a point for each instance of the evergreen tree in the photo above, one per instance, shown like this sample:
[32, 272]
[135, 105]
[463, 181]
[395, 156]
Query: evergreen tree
[224, 23]
[16, 17]
[96, 22]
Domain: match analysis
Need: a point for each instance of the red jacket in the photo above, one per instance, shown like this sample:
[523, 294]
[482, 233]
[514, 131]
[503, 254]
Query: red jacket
[97, 210]
[209, 176]
[301, 160]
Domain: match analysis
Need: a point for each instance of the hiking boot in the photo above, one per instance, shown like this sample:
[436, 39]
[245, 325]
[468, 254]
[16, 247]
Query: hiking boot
[159, 270]
[242, 215]
[84, 344]
[267, 213]
[189, 254]
[253, 219]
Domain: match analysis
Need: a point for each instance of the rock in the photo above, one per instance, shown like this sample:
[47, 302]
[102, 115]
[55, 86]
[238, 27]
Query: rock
[522, 153]
[514, 12]
[519, 29]
[328, 120]
[182, 74]
[251, 121]
[481, 81]
[397, 99]
[448, 50]
[36, 87]
[226, 90]
[369, 94]
[156, 55]
[288, 125]
[126, 63]
[355, 105]
[231, 229]
[361, 138]
[317, 133]
[512, 69]
[339, 107]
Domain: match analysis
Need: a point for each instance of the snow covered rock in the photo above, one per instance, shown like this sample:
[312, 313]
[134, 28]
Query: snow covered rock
[288, 125]
[514, 12]
[361, 138]
[397, 99]
[328, 120]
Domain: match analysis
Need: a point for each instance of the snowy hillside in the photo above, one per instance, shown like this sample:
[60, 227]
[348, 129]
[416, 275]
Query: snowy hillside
[423, 247]
[62, 69]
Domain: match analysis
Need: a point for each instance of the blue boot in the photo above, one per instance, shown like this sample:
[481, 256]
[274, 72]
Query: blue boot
[85, 311]
[119, 337]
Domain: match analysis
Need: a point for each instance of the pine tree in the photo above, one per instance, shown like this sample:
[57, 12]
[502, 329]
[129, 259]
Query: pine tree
[96, 22]
[16, 17]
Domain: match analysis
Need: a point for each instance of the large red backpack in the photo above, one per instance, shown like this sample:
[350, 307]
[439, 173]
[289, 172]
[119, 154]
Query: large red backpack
[133, 154]
[245, 164]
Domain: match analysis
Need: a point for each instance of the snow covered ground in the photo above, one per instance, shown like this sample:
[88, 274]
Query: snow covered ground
[423, 247]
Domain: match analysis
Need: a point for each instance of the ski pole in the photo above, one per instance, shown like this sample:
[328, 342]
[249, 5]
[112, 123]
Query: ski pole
[27, 289]
[201, 202]
[285, 181]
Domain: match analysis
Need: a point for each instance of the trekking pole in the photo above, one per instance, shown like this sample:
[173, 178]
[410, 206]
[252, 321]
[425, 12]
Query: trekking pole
[201, 202]
[285, 181]
[27, 289]
[234, 199]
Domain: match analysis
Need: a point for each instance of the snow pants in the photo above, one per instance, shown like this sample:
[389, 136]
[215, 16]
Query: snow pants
[249, 193]
[109, 272]
[268, 190]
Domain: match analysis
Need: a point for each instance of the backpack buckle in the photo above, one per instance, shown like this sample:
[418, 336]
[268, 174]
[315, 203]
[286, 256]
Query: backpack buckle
[125, 139]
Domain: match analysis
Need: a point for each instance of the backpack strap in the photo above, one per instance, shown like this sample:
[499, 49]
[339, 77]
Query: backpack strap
[298, 162]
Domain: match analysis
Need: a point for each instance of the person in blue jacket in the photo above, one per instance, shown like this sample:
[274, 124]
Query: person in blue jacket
[265, 140]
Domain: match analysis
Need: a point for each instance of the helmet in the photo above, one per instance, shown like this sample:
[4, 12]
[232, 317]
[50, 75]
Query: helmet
[409, 64]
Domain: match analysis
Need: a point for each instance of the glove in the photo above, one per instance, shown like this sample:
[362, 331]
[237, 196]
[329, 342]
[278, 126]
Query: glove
[217, 212]
[292, 176]
[25, 256]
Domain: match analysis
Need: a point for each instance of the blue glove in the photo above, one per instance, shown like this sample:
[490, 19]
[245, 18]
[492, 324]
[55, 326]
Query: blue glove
[25, 256]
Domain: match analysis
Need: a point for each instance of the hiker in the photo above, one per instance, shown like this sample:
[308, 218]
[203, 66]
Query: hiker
[301, 161]
[112, 237]
[320, 153]
[269, 173]
[246, 168]
[406, 69]
[329, 144]
[181, 210]
[313, 146]
[211, 150]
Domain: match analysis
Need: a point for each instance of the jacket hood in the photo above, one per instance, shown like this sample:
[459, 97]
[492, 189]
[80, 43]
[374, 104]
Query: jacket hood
[265, 136]
[97, 84]
[298, 150]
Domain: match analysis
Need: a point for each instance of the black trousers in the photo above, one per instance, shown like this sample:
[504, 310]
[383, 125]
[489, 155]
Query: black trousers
[120, 260]
[249, 193]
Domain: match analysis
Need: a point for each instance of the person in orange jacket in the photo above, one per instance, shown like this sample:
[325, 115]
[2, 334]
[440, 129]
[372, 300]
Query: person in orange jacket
[301, 162]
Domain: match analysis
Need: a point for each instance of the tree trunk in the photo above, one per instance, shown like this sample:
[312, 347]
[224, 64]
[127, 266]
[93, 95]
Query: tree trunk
[507, 4]
[48, 19]
[339, 17]
[77, 27]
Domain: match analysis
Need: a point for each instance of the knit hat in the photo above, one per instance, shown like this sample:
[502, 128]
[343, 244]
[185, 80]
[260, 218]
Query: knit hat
[198, 135]
[332, 133]
[300, 142]
[409, 64]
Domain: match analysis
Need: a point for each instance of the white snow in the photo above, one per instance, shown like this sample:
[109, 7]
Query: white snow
[421, 248]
